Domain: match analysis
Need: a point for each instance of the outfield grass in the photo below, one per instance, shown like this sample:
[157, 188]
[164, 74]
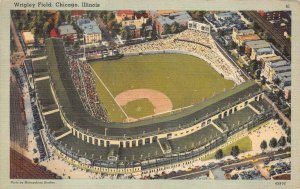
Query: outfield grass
[244, 144]
[184, 79]
[139, 108]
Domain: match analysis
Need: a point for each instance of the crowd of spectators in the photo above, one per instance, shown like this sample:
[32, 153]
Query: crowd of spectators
[83, 80]
[193, 42]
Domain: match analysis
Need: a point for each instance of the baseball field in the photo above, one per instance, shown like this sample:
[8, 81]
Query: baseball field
[139, 86]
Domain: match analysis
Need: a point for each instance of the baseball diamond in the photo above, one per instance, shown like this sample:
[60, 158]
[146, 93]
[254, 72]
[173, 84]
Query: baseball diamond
[180, 81]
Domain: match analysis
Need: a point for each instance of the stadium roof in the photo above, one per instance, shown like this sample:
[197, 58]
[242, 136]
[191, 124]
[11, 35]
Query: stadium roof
[44, 95]
[76, 114]
[28, 66]
[40, 66]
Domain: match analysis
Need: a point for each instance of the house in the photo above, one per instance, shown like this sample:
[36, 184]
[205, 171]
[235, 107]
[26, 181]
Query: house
[155, 13]
[193, 25]
[278, 70]
[258, 49]
[241, 36]
[91, 31]
[137, 20]
[269, 59]
[78, 14]
[124, 15]
[28, 38]
[271, 15]
[181, 18]
[225, 15]
[259, 53]
[68, 33]
[133, 31]
[287, 92]
[54, 33]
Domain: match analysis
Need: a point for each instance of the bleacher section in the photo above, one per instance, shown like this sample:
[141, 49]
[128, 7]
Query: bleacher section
[44, 95]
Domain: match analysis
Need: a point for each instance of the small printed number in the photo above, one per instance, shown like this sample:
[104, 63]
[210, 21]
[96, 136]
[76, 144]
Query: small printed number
[280, 183]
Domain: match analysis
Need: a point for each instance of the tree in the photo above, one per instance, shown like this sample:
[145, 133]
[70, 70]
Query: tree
[241, 50]
[288, 131]
[263, 145]
[273, 142]
[219, 154]
[282, 141]
[258, 72]
[289, 139]
[167, 29]
[235, 151]
[36, 160]
[263, 80]
[253, 66]
[174, 27]
[276, 81]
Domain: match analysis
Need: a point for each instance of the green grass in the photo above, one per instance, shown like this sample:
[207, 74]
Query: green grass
[139, 108]
[114, 113]
[244, 144]
[184, 79]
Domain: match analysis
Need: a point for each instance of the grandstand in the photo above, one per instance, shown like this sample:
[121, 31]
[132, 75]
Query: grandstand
[190, 133]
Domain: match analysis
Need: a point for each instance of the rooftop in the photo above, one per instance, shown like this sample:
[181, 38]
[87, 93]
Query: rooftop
[284, 74]
[88, 26]
[54, 122]
[28, 66]
[78, 12]
[282, 69]
[258, 44]
[126, 12]
[271, 58]
[194, 140]
[40, 66]
[66, 29]
[279, 63]
[237, 118]
[44, 95]
[264, 50]
[225, 14]
[246, 31]
[249, 37]
[178, 17]
[28, 37]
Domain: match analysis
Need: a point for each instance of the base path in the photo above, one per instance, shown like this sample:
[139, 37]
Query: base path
[159, 100]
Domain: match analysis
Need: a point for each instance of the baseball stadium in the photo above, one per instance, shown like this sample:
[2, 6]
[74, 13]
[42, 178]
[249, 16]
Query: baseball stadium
[157, 105]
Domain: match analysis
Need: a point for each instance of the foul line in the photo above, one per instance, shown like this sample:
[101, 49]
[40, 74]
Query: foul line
[108, 91]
